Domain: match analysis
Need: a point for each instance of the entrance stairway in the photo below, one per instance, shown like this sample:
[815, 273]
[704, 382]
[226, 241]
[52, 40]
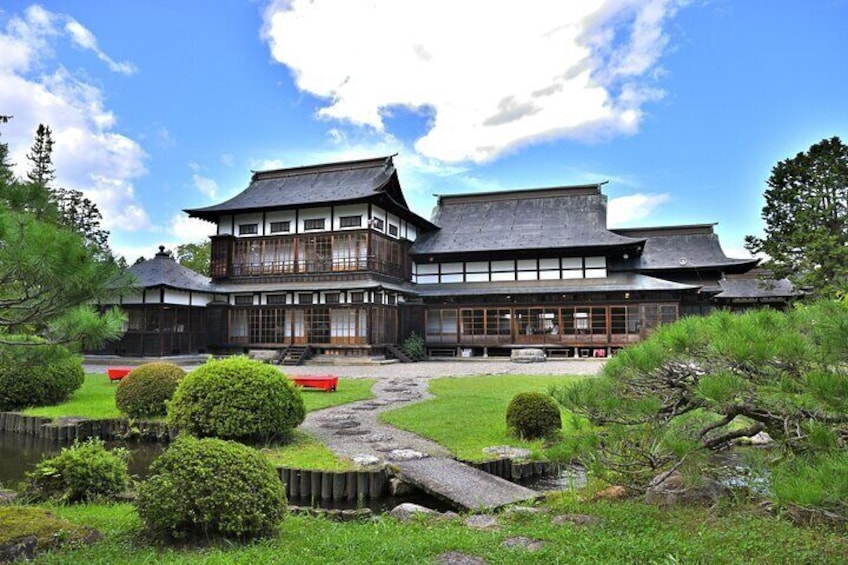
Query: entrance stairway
[399, 353]
[295, 355]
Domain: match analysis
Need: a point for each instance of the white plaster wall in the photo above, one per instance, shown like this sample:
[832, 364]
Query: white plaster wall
[249, 219]
[280, 216]
[314, 214]
[225, 225]
[350, 210]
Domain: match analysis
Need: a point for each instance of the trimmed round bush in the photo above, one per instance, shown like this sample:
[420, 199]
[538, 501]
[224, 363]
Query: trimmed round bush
[236, 398]
[147, 389]
[211, 487]
[83, 472]
[40, 375]
[532, 415]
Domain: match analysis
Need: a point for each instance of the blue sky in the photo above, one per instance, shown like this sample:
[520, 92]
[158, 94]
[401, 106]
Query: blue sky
[684, 107]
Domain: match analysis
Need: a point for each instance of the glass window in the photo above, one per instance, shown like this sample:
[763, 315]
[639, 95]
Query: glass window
[332, 298]
[357, 297]
[280, 227]
[393, 230]
[248, 229]
[350, 221]
[246, 299]
[304, 298]
[276, 299]
[377, 224]
[314, 224]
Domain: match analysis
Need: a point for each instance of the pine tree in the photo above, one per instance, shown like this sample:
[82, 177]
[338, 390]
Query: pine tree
[41, 157]
[806, 217]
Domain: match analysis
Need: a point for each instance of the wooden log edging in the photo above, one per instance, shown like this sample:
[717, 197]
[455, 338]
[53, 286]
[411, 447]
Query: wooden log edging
[516, 471]
[69, 429]
[335, 485]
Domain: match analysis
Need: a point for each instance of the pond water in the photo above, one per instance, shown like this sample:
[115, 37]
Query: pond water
[19, 453]
[570, 477]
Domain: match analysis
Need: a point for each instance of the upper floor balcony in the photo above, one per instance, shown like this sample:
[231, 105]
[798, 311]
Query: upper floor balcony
[318, 254]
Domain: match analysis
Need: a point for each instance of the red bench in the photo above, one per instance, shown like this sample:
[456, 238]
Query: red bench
[118, 373]
[321, 382]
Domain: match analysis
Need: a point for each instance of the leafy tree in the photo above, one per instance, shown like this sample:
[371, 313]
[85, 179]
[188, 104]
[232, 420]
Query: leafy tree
[195, 256]
[806, 216]
[698, 385]
[41, 157]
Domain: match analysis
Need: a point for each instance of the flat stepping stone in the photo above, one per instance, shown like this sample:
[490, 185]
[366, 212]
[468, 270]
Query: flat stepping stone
[378, 437]
[461, 484]
[366, 460]
[397, 389]
[342, 425]
[459, 558]
[352, 432]
[406, 455]
[483, 522]
[524, 543]
[365, 407]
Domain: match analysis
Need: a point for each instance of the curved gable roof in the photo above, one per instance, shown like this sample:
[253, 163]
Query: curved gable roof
[163, 271]
[548, 218]
[683, 247]
[334, 182]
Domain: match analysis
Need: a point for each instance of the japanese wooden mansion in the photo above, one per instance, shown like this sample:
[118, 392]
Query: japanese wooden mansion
[331, 257]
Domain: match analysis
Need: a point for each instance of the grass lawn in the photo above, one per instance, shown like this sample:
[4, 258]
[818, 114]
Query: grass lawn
[469, 413]
[627, 532]
[96, 398]
[305, 452]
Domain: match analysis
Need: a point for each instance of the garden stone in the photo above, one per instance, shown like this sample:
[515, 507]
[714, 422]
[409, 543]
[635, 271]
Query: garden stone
[406, 455]
[459, 558]
[522, 511]
[264, 355]
[23, 548]
[576, 519]
[524, 543]
[614, 492]
[7, 496]
[397, 487]
[761, 439]
[484, 522]
[529, 355]
[378, 438]
[508, 452]
[365, 460]
[669, 489]
[405, 511]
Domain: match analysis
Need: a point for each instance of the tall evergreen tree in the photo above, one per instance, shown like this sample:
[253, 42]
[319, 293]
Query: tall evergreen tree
[806, 217]
[49, 275]
[41, 157]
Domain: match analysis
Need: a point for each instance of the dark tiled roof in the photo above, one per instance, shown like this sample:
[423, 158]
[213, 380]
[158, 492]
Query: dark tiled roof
[614, 283]
[334, 182]
[734, 288]
[551, 218]
[682, 247]
[162, 270]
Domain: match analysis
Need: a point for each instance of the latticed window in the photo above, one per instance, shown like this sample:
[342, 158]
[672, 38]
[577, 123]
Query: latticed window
[280, 227]
[248, 229]
[350, 221]
[313, 224]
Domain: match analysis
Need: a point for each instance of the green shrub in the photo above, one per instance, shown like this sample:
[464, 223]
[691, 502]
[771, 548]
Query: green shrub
[414, 347]
[37, 375]
[83, 472]
[147, 389]
[533, 415]
[236, 398]
[211, 487]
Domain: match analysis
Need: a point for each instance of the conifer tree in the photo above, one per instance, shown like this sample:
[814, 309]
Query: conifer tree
[41, 157]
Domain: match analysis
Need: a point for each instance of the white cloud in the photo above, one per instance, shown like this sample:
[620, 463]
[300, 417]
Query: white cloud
[491, 80]
[88, 154]
[82, 37]
[624, 210]
[228, 159]
[191, 230]
[205, 185]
